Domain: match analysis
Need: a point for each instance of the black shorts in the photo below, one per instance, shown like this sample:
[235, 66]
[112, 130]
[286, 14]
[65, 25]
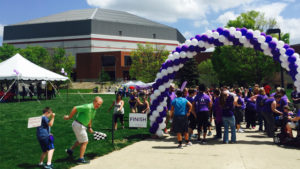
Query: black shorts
[180, 124]
[118, 116]
[203, 120]
[192, 121]
[238, 114]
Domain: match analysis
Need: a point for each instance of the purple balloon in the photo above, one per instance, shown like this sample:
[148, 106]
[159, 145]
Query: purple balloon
[159, 119]
[211, 40]
[176, 62]
[292, 59]
[272, 45]
[198, 37]
[231, 38]
[226, 33]
[178, 49]
[191, 48]
[155, 125]
[249, 35]
[184, 48]
[163, 113]
[238, 29]
[286, 46]
[254, 41]
[204, 37]
[293, 66]
[220, 30]
[173, 51]
[268, 38]
[263, 34]
[290, 51]
[159, 82]
[165, 79]
[151, 130]
[244, 31]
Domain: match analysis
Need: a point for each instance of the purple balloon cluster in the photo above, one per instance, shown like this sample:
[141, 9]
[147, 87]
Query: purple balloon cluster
[222, 36]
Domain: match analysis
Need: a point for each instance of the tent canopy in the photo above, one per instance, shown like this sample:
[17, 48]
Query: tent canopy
[17, 67]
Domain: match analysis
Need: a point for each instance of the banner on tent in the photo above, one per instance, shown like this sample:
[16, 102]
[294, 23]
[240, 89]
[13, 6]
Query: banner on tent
[34, 122]
[137, 120]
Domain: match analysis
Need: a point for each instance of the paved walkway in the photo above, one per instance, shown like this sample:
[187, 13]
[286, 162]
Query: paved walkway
[253, 151]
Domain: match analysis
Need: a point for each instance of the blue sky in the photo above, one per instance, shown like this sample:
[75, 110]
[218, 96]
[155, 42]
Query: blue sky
[191, 17]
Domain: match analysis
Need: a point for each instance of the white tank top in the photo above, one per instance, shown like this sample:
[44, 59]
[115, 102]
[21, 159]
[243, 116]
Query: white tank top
[117, 106]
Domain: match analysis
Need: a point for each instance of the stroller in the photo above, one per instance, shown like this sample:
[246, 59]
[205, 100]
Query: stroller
[283, 138]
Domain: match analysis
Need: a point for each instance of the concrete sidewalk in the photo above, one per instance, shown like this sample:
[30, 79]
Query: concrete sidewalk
[253, 151]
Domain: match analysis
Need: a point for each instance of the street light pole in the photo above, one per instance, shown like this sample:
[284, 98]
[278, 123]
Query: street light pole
[270, 31]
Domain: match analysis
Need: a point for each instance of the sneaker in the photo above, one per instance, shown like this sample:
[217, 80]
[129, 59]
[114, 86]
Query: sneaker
[48, 166]
[180, 146]
[41, 164]
[82, 161]
[209, 133]
[240, 131]
[188, 144]
[69, 152]
[199, 140]
[204, 141]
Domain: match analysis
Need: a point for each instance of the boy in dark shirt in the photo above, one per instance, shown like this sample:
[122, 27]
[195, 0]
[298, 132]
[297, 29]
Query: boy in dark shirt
[44, 137]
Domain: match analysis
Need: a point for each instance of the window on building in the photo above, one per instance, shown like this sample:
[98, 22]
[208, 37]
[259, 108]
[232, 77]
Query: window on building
[127, 61]
[120, 33]
[108, 60]
[154, 36]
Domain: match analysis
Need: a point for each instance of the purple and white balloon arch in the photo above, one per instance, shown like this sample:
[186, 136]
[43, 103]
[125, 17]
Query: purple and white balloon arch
[222, 36]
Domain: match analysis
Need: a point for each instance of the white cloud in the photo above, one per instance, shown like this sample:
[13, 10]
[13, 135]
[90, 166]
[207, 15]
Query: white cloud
[187, 34]
[169, 10]
[224, 18]
[272, 10]
[1, 30]
[202, 22]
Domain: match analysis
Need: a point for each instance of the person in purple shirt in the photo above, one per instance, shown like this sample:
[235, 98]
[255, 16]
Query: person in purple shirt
[217, 111]
[260, 101]
[250, 111]
[171, 97]
[239, 110]
[192, 118]
[203, 103]
[268, 110]
[227, 103]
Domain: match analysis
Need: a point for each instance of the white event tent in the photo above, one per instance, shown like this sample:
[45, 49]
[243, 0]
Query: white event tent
[18, 68]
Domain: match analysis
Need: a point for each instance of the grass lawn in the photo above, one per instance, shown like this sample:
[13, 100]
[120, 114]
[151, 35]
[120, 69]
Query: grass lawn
[19, 147]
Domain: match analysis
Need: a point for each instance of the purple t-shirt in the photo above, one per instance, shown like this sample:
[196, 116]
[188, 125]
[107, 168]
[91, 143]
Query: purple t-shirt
[282, 103]
[267, 106]
[228, 107]
[250, 104]
[241, 102]
[295, 95]
[202, 102]
[259, 100]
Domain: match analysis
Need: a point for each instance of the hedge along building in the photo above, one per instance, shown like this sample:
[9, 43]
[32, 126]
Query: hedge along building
[99, 38]
[271, 47]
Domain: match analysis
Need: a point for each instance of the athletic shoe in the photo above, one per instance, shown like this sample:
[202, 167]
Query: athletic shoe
[48, 166]
[82, 161]
[41, 165]
[180, 146]
[69, 152]
[199, 140]
[209, 133]
[240, 131]
[188, 144]
[204, 141]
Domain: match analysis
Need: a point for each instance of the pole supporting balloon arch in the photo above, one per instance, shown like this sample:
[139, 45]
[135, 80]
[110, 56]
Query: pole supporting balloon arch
[249, 38]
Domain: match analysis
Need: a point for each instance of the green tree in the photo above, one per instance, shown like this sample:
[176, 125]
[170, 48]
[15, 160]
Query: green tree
[207, 74]
[146, 61]
[35, 54]
[190, 73]
[7, 51]
[239, 65]
[104, 76]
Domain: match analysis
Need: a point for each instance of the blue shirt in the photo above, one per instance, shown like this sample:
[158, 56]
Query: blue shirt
[43, 131]
[179, 104]
[202, 102]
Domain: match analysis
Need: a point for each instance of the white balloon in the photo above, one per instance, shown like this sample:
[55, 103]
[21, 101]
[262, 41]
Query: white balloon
[282, 51]
[298, 77]
[194, 53]
[256, 33]
[188, 42]
[189, 54]
[243, 39]
[164, 72]
[159, 133]
[176, 56]
[194, 42]
[155, 113]
[250, 30]
[167, 85]
[296, 55]
[215, 35]
[156, 93]
[170, 70]
[162, 88]
[280, 44]
[176, 68]
[261, 39]
[201, 44]
[207, 45]
[152, 119]
[183, 54]
[151, 122]
[237, 34]
[298, 89]
[162, 125]
[264, 46]
[159, 75]
[209, 33]
[222, 38]
[160, 108]
[152, 97]
[171, 57]
[181, 65]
